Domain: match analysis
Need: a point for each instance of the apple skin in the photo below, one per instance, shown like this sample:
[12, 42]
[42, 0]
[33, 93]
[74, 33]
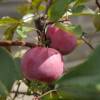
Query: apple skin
[42, 64]
[64, 42]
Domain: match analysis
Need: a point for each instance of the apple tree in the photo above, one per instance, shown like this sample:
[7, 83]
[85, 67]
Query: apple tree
[38, 62]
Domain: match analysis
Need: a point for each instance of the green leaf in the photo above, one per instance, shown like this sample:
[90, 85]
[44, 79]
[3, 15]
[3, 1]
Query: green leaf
[24, 9]
[32, 7]
[22, 31]
[67, 1]
[41, 8]
[96, 21]
[74, 29]
[76, 93]
[78, 9]
[85, 12]
[18, 66]
[51, 96]
[80, 2]
[36, 3]
[8, 73]
[9, 32]
[3, 89]
[8, 20]
[3, 97]
[84, 80]
[58, 8]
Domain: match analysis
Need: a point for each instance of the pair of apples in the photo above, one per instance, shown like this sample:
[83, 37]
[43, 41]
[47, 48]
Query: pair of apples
[46, 63]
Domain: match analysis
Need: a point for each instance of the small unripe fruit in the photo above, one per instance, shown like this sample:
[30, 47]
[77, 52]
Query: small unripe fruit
[64, 42]
[43, 64]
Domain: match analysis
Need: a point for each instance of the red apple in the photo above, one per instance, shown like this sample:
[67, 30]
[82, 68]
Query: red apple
[64, 42]
[43, 64]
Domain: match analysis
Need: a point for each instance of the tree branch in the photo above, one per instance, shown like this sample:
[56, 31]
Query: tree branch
[24, 93]
[47, 6]
[16, 43]
[64, 20]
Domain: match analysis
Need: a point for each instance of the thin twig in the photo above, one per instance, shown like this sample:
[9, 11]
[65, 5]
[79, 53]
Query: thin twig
[97, 3]
[46, 93]
[16, 43]
[19, 83]
[20, 92]
[34, 94]
[23, 93]
[83, 38]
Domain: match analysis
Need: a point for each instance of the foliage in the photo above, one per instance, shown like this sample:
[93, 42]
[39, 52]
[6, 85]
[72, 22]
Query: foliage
[85, 79]
[8, 72]
[82, 82]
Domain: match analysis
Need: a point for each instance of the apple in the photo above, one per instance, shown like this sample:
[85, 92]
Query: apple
[42, 64]
[64, 42]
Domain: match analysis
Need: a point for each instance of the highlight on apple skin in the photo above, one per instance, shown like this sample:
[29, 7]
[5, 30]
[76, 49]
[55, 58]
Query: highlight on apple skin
[42, 64]
[64, 42]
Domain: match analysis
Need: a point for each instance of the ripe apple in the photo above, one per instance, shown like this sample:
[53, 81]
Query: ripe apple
[63, 41]
[43, 64]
